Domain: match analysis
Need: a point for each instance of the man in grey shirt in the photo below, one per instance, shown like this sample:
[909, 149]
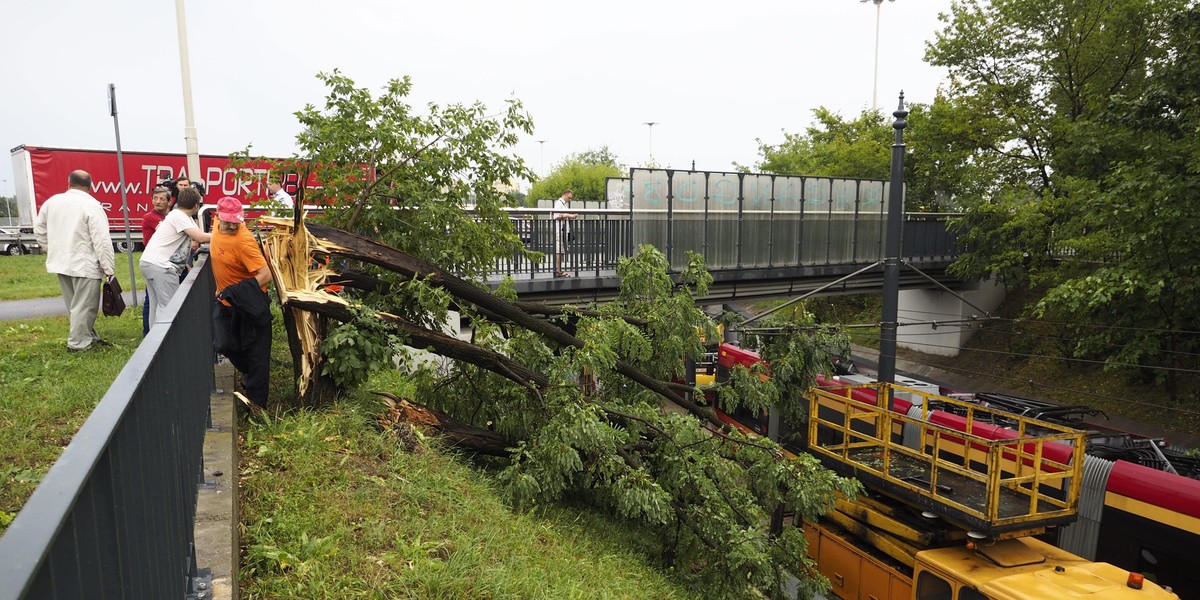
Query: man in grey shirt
[73, 229]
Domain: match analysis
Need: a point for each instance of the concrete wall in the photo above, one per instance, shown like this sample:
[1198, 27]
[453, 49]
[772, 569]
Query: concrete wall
[940, 305]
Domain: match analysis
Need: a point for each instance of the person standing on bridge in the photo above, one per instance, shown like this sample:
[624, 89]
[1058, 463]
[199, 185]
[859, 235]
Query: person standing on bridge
[562, 230]
[73, 229]
[242, 310]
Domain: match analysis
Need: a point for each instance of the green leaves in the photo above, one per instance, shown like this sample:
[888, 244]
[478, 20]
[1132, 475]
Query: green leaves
[584, 173]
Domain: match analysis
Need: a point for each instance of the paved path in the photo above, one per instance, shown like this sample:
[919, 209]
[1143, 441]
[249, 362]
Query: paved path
[12, 310]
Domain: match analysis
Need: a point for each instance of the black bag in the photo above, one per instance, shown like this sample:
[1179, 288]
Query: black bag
[112, 302]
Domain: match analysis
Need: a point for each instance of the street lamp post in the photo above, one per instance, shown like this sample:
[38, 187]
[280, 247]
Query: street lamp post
[875, 86]
[651, 125]
[541, 157]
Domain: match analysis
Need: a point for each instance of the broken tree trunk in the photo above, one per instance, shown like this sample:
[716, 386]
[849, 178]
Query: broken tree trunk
[441, 343]
[483, 441]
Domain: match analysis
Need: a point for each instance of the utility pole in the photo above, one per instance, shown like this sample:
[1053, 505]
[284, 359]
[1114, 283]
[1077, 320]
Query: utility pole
[651, 125]
[875, 86]
[542, 157]
[891, 261]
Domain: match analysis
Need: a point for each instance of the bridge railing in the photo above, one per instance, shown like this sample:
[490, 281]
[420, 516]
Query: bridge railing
[599, 237]
[114, 516]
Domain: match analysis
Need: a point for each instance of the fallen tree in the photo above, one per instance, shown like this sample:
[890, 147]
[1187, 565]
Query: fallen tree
[583, 403]
[646, 429]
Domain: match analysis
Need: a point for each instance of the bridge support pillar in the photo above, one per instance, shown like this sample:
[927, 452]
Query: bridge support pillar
[944, 339]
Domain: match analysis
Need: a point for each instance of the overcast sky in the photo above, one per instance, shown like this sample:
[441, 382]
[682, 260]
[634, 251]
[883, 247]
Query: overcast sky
[713, 75]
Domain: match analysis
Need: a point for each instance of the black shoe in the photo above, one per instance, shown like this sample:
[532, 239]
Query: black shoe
[84, 349]
[101, 342]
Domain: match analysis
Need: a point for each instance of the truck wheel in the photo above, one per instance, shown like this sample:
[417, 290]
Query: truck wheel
[122, 247]
[16, 250]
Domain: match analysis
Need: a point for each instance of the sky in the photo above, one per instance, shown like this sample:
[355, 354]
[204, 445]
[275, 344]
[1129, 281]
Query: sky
[715, 77]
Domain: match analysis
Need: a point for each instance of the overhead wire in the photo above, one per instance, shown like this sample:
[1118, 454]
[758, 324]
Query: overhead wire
[1065, 359]
[1064, 389]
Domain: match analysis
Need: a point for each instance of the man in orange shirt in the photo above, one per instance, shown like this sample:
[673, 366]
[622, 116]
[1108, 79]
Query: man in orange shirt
[242, 309]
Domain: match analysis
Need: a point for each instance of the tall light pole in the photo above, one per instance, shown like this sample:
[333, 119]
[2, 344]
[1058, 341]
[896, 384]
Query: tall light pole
[189, 120]
[541, 157]
[875, 87]
[651, 125]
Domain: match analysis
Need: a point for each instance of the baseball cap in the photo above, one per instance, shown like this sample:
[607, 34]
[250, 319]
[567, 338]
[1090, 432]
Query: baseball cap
[229, 209]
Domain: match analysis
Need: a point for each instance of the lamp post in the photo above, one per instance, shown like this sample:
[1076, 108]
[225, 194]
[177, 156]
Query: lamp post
[875, 86]
[651, 125]
[892, 249]
[541, 157]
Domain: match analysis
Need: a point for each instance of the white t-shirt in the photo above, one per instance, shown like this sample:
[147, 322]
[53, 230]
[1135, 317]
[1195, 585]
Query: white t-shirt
[561, 208]
[167, 238]
[283, 198]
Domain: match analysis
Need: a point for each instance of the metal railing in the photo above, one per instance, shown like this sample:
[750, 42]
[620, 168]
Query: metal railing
[114, 516]
[600, 237]
[995, 484]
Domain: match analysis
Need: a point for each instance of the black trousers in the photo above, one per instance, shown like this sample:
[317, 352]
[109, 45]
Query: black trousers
[247, 345]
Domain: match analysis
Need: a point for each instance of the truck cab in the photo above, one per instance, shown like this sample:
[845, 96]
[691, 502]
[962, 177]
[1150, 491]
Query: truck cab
[1021, 569]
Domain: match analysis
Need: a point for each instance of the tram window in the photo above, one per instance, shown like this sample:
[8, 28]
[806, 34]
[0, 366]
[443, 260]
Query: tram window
[970, 594]
[932, 587]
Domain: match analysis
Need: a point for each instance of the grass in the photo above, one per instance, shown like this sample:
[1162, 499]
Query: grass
[333, 507]
[48, 393]
[24, 277]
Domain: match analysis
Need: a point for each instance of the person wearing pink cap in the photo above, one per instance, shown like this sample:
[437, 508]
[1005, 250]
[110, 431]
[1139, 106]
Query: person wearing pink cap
[170, 251]
[242, 309]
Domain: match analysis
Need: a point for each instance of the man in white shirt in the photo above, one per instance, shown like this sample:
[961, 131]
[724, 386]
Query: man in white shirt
[73, 229]
[562, 230]
[280, 198]
[170, 249]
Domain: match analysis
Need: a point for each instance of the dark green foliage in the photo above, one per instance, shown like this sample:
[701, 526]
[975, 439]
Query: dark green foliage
[584, 173]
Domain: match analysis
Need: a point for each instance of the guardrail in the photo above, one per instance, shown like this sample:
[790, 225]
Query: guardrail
[114, 516]
[993, 480]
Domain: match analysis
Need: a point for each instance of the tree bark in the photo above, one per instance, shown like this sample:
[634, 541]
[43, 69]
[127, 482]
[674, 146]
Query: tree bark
[458, 434]
[441, 343]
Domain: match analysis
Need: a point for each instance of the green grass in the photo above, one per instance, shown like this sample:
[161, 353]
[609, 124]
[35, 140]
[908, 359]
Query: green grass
[48, 393]
[25, 277]
[333, 507]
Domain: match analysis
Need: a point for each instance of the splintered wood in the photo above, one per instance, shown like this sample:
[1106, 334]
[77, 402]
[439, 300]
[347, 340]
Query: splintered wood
[288, 251]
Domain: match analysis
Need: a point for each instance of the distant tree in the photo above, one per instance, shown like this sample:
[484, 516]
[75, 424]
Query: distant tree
[8, 207]
[1136, 264]
[861, 148]
[1085, 115]
[1027, 78]
[584, 173]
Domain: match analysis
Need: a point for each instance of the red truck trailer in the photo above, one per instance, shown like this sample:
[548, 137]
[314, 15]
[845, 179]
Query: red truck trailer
[42, 172]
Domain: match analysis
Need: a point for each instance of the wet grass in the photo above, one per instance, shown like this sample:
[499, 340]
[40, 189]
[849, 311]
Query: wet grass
[334, 507]
[24, 277]
[48, 393]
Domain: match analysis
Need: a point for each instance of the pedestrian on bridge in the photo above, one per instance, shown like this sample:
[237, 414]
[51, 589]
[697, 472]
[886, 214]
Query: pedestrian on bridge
[562, 230]
[73, 229]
